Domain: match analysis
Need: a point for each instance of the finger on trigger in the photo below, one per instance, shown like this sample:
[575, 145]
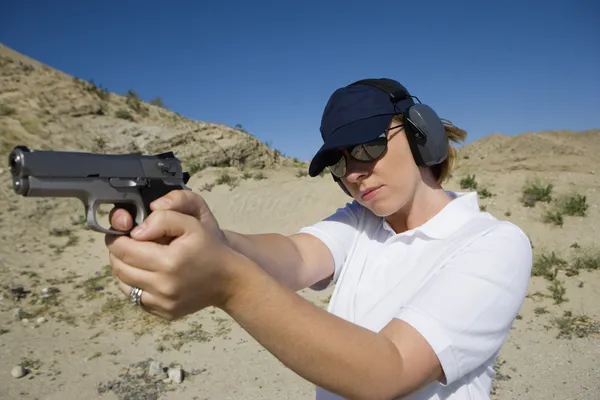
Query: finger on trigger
[120, 219]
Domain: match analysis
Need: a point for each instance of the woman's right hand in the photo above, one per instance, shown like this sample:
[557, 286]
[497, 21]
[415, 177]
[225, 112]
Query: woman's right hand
[182, 201]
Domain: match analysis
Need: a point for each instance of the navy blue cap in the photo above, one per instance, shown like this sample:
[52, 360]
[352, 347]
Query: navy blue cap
[356, 114]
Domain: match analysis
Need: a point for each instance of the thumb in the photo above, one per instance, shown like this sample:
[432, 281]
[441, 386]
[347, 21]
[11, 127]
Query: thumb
[183, 201]
[164, 223]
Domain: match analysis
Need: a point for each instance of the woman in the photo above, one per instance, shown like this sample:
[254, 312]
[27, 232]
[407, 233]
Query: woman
[427, 285]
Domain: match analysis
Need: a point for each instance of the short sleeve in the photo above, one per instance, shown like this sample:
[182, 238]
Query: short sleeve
[466, 310]
[337, 232]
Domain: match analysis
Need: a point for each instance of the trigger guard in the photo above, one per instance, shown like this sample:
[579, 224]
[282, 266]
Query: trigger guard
[138, 214]
[92, 222]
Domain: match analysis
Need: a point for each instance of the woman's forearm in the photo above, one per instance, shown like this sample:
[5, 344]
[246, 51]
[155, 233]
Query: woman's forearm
[274, 253]
[326, 350]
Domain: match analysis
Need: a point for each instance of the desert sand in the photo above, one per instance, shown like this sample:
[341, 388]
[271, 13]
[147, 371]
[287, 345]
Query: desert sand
[67, 333]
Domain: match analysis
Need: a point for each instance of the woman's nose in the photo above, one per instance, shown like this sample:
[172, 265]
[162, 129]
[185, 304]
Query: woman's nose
[355, 170]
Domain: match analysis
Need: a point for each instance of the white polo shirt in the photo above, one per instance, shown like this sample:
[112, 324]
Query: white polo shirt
[459, 279]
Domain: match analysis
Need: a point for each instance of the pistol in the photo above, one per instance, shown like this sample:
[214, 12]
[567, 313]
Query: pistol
[128, 181]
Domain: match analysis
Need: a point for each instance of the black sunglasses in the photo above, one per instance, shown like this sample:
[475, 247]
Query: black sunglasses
[364, 152]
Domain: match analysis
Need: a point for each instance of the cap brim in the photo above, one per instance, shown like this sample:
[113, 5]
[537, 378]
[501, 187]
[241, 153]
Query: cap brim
[350, 135]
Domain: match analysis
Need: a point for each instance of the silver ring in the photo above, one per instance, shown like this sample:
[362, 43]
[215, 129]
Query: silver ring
[135, 297]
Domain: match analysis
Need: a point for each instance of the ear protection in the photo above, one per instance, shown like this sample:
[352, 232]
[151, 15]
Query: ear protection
[424, 129]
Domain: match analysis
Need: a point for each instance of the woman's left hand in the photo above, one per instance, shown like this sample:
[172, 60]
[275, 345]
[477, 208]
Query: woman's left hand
[191, 272]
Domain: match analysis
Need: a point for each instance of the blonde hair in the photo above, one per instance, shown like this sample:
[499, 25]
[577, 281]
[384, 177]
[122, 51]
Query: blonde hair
[454, 134]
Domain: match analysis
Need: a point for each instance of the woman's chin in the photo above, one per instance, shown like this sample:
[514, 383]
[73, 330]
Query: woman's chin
[384, 206]
[381, 207]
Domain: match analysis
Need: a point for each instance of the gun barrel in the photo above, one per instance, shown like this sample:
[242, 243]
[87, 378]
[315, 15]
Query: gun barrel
[15, 163]
[65, 165]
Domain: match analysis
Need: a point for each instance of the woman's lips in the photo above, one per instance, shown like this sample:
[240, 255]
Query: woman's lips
[369, 193]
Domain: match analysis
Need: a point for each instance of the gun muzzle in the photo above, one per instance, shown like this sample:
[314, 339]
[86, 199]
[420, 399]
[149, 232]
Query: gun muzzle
[16, 160]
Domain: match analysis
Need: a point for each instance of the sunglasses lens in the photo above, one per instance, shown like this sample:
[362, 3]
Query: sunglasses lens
[339, 168]
[365, 152]
[369, 151]
[336, 163]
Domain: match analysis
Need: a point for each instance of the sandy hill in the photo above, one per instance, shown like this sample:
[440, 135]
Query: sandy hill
[63, 320]
[535, 151]
[48, 109]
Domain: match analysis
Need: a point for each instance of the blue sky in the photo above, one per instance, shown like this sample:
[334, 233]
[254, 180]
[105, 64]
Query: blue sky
[490, 67]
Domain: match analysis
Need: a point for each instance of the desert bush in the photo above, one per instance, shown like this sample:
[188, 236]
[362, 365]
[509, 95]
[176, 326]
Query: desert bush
[135, 103]
[554, 217]
[207, 187]
[468, 183]
[124, 114]
[98, 90]
[536, 193]
[580, 326]
[574, 205]
[227, 179]
[588, 262]
[259, 176]
[158, 101]
[547, 265]
[557, 291]
[193, 168]
[6, 110]
[540, 310]
[484, 193]
[240, 128]
[60, 231]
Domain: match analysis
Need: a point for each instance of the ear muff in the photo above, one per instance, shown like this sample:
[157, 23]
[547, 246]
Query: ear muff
[424, 129]
[426, 135]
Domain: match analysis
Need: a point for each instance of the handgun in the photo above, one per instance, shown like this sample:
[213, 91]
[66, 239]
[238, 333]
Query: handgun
[128, 181]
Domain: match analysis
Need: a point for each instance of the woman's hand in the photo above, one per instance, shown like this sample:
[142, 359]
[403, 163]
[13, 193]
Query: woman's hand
[182, 201]
[178, 256]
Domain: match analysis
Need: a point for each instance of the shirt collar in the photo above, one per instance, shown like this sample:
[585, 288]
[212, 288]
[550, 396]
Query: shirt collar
[463, 207]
